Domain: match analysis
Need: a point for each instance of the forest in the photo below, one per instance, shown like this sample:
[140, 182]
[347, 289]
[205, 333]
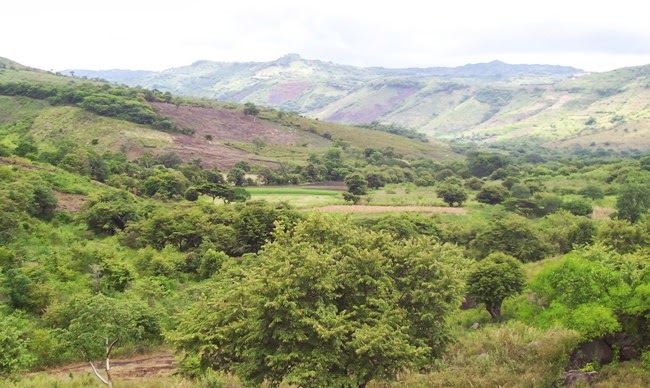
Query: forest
[542, 278]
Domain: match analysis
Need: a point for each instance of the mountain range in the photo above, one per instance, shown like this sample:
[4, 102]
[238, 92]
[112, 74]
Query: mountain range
[558, 106]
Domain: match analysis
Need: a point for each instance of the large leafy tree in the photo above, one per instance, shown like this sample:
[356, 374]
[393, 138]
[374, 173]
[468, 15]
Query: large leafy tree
[326, 304]
[495, 278]
[513, 235]
[633, 200]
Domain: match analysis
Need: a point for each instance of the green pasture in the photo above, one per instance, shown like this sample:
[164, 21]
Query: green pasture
[298, 197]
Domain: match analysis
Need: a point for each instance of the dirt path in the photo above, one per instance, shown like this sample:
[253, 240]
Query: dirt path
[150, 365]
[381, 209]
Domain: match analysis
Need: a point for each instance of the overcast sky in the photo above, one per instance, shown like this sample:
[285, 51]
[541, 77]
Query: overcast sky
[155, 35]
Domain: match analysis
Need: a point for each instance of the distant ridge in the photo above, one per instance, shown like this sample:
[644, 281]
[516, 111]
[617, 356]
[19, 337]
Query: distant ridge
[560, 106]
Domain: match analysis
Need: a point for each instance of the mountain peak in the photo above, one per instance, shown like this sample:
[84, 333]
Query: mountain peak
[287, 59]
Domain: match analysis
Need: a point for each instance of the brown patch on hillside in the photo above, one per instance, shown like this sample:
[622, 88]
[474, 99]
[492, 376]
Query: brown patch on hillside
[22, 163]
[69, 202]
[382, 209]
[372, 113]
[222, 126]
[286, 92]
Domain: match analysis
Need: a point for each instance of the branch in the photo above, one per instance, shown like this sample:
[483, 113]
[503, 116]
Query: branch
[109, 348]
[97, 373]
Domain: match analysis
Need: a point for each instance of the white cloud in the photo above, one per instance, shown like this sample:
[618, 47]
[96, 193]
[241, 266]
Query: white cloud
[146, 34]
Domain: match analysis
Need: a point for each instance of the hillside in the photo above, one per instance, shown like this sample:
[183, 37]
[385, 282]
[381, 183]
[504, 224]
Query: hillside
[219, 134]
[486, 102]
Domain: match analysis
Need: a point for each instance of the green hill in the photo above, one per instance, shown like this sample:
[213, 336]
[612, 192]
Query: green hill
[559, 106]
[50, 108]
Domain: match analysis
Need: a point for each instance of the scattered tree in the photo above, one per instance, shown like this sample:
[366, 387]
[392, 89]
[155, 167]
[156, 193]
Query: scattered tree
[451, 193]
[493, 279]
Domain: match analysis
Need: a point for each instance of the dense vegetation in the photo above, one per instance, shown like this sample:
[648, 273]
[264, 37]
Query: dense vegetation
[106, 252]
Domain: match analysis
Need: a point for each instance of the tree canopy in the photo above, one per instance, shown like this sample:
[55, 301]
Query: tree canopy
[328, 304]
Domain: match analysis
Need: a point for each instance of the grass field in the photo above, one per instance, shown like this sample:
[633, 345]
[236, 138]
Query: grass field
[296, 196]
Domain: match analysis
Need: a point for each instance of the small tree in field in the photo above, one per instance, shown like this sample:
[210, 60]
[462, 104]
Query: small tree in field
[495, 278]
[357, 186]
[94, 325]
[451, 193]
[251, 110]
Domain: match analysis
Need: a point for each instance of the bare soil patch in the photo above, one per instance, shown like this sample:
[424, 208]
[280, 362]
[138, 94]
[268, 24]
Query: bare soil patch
[372, 112]
[381, 209]
[215, 128]
[286, 92]
[69, 202]
[152, 365]
[601, 213]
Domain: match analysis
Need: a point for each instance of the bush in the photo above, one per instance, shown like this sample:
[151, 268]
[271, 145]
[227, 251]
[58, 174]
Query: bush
[578, 207]
[512, 235]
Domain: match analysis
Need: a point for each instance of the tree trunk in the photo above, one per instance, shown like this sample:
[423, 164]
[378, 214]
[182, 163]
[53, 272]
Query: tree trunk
[495, 311]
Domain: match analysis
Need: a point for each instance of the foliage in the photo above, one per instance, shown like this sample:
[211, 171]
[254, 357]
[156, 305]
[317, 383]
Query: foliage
[633, 200]
[512, 235]
[493, 279]
[119, 102]
[237, 176]
[482, 164]
[452, 192]
[492, 194]
[592, 192]
[14, 355]
[357, 184]
[396, 130]
[623, 236]
[250, 109]
[108, 213]
[326, 304]
[87, 324]
[578, 207]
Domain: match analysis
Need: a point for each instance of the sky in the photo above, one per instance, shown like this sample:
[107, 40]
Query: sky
[156, 35]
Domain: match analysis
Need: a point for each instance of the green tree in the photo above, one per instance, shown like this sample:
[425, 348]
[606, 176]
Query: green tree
[326, 304]
[494, 279]
[192, 194]
[14, 343]
[237, 176]
[109, 212]
[512, 235]
[482, 164]
[592, 192]
[357, 184]
[633, 200]
[451, 193]
[492, 194]
[94, 325]
[578, 207]
[44, 202]
[251, 110]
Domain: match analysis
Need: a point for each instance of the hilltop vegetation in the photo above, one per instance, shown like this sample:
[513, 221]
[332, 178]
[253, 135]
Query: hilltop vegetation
[114, 251]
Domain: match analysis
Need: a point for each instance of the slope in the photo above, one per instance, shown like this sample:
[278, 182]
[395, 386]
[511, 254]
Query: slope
[558, 106]
[218, 134]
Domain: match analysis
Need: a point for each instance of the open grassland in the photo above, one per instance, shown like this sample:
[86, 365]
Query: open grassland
[297, 196]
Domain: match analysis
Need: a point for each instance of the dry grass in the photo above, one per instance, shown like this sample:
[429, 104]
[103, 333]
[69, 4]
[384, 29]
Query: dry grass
[601, 213]
[385, 209]
[510, 355]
